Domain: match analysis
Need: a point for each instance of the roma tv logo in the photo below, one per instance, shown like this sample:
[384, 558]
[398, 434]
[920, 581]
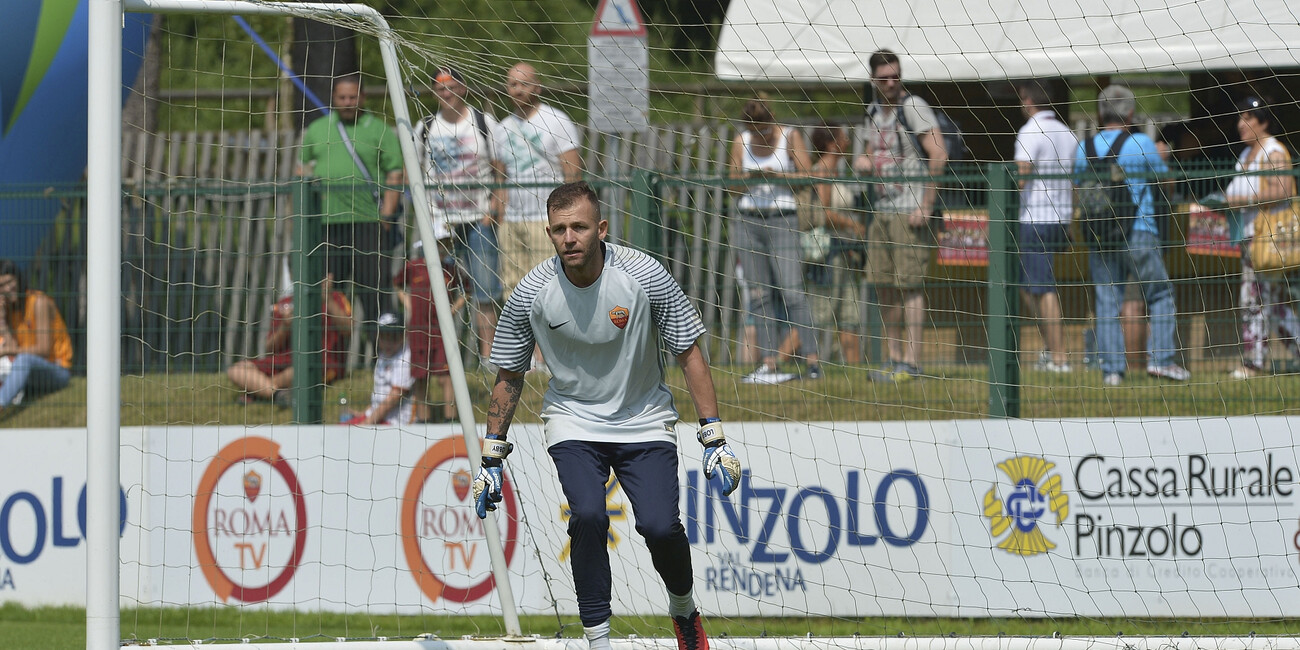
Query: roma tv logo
[250, 521]
[442, 537]
[1033, 497]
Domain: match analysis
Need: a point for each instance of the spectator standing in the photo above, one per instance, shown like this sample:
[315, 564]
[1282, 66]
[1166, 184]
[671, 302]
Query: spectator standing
[356, 156]
[837, 303]
[604, 313]
[33, 336]
[766, 235]
[269, 377]
[428, 356]
[538, 147]
[1045, 146]
[456, 149]
[1139, 254]
[1266, 302]
[903, 142]
[391, 400]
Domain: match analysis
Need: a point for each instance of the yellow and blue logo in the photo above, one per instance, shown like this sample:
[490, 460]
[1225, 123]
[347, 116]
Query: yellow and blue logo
[613, 508]
[1034, 495]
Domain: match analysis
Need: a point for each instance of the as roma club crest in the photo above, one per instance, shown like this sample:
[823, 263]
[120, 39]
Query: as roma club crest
[252, 485]
[460, 483]
[618, 316]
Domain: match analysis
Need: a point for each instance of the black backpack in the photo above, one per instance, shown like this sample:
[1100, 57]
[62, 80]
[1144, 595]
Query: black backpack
[1105, 201]
[954, 140]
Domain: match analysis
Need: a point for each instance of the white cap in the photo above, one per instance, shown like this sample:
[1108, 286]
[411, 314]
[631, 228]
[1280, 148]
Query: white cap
[440, 230]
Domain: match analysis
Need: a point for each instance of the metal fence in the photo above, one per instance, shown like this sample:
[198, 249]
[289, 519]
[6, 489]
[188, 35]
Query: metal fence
[207, 238]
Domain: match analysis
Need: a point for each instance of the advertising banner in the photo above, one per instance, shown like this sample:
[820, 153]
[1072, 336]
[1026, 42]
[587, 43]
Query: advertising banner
[1163, 518]
[43, 516]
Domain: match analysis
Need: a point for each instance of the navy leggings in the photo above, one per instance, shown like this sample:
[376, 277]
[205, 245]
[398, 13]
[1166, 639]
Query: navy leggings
[647, 473]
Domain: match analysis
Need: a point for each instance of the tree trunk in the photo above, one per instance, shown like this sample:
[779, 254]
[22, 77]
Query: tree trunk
[140, 113]
[321, 53]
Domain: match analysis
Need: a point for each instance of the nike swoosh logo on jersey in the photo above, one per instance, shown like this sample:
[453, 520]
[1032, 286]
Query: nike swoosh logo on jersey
[557, 326]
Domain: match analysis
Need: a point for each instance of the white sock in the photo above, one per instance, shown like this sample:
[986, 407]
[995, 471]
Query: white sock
[597, 636]
[681, 606]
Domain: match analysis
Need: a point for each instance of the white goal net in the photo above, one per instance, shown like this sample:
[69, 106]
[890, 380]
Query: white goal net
[952, 424]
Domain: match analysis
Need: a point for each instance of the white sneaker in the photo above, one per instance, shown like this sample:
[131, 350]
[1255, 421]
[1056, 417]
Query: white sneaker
[767, 376]
[1172, 372]
[1112, 379]
[1056, 368]
[1045, 364]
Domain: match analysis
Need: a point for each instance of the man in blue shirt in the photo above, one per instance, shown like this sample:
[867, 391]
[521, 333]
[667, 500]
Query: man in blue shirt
[1139, 254]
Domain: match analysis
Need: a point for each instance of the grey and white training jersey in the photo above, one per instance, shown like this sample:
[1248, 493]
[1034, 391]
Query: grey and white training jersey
[602, 346]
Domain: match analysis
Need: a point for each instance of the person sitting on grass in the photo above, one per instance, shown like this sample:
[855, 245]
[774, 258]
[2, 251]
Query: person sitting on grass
[390, 397]
[33, 337]
[269, 376]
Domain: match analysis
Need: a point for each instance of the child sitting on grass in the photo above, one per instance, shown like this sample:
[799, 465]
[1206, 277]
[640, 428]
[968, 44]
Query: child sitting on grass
[390, 398]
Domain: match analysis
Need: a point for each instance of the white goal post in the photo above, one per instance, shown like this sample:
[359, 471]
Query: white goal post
[828, 523]
[104, 181]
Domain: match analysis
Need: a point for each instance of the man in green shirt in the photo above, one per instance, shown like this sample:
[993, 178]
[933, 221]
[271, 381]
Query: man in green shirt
[357, 211]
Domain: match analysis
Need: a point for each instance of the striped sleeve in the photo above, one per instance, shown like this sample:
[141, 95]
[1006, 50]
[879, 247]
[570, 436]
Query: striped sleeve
[676, 318]
[513, 343]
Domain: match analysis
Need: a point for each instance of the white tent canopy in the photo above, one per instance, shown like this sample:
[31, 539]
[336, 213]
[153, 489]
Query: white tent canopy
[959, 40]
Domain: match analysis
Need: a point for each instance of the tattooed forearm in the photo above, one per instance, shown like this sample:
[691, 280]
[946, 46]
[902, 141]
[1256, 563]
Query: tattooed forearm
[505, 398]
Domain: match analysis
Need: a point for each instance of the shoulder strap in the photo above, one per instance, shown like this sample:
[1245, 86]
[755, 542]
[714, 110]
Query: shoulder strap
[1090, 148]
[352, 150]
[901, 115]
[1113, 155]
[480, 122]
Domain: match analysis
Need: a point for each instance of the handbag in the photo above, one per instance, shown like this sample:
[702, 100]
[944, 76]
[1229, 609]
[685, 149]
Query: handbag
[808, 209]
[815, 244]
[1275, 248]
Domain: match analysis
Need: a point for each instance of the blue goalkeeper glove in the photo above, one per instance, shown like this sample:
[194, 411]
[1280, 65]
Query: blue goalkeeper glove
[487, 487]
[718, 455]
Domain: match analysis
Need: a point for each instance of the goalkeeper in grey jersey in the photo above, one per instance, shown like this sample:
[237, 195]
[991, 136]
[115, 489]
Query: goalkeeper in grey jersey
[600, 313]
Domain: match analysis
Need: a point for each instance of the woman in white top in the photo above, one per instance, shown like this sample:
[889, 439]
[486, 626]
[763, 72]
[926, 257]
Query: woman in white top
[1264, 303]
[766, 235]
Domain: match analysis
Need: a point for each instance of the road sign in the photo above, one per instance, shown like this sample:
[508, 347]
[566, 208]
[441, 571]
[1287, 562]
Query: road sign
[618, 65]
[618, 18]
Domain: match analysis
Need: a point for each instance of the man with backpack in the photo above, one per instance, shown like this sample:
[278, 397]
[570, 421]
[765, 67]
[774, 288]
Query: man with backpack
[903, 144]
[1115, 189]
[455, 147]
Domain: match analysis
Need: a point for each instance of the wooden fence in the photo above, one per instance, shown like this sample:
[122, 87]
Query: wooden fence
[207, 234]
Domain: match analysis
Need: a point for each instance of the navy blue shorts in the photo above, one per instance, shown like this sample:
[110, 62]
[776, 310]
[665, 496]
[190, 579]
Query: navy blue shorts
[647, 474]
[1039, 243]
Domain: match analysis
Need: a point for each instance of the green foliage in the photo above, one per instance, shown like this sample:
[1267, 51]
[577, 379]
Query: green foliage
[482, 38]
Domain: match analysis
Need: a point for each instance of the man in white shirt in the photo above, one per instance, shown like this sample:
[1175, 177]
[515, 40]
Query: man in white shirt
[903, 143]
[603, 313]
[1045, 146]
[538, 146]
[456, 150]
